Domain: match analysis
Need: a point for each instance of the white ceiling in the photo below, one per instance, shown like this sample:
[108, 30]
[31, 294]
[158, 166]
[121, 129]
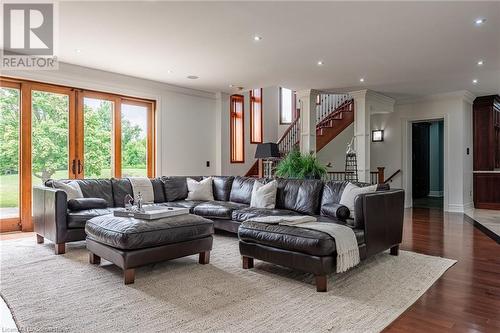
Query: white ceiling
[400, 48]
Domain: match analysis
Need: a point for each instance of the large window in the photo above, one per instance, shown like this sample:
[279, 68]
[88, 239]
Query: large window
[237, 129]
[49, 131]
[10, 118]
[256, 116]
[135, 126]
[287, 106]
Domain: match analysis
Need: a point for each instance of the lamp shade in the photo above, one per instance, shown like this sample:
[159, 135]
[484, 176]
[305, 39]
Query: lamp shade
[267, 150]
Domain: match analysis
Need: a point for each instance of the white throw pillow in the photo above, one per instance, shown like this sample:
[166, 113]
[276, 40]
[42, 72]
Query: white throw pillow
[72, 188]
[351, 191]
[201, 190]
[264, 196]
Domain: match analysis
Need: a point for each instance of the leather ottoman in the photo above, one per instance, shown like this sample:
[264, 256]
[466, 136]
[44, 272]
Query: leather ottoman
[130, 243]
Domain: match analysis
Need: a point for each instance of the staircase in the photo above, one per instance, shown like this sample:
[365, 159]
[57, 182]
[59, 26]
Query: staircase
[334, 113]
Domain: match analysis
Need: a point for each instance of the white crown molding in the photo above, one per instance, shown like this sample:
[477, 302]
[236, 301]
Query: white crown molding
[105, 81]
[465, 95]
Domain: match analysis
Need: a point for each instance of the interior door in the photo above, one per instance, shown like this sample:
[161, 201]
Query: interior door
[420, 159]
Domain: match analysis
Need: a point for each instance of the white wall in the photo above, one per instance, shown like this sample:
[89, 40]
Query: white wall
[334, 152]
[185, 118]
[394, 153]
[270, 107]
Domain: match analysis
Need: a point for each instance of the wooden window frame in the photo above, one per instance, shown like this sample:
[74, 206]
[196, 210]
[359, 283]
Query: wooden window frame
[14, 223]
[151, 130]
[256, 100]
[294, 108]
[232, 144]
[24, 220]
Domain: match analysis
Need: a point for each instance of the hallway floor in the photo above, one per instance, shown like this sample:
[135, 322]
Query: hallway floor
[428, 202]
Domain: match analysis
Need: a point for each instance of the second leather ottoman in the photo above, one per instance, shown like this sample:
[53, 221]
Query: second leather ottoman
[130, 243]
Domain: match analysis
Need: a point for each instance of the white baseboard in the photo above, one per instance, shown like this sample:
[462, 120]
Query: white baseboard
[437, 194]
[458, 208]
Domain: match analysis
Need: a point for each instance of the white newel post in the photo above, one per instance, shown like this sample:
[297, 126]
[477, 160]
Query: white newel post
[362, 134]
[306, 100]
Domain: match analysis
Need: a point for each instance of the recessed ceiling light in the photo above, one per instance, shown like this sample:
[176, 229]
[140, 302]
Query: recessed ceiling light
[362, 80]
[480, 21]
[193, 77]
[257, 38]
[78, 51]
[320, 63]
[480, 63]
[170, 71]
[475, 81]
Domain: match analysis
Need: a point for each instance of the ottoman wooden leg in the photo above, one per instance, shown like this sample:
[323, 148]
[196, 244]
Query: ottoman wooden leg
[395, 250]
[128, 276]
[321, 283]
[60, 248]
[39, 239]
[204, 258]
[247, 262]
[94, 259]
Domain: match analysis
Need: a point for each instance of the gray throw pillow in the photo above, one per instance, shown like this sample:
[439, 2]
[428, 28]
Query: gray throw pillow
[264, 196]
[72, 188]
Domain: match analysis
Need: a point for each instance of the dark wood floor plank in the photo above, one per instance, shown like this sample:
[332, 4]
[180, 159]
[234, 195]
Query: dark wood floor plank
[467, 297]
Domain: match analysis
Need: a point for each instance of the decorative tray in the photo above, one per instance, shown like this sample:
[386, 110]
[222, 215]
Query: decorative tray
[151, 212]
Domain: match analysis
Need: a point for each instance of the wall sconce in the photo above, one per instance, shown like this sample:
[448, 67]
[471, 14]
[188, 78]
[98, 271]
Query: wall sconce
[377, 135]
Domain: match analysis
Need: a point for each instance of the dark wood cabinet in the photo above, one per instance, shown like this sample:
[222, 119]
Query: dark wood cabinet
[486, 127]
[486, 133]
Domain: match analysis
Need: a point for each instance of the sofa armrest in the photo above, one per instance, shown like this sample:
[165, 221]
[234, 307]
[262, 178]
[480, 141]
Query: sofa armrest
[50, 213]
[382, 215]
[335, 210]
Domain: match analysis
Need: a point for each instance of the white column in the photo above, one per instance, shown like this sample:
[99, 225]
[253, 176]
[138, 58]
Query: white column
[307, 104]
[362, 134]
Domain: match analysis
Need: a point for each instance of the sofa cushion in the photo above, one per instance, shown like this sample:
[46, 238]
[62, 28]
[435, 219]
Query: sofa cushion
[264, 195]
[217, 209]
[336, 210]
[77, 219]
[97, 188]
[158, 191]
[332, 190]
[131, 234]
[200, 190]
[175, 187]
[302, 196]
[71, 187]
[241, 190]
[86, 203]
[291, 238]
[222, 187]
[183, 204]
[350, 193]
[121, 188]
[244, 214]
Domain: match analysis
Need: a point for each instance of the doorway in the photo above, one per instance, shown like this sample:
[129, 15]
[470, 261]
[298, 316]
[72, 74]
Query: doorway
[427, 164]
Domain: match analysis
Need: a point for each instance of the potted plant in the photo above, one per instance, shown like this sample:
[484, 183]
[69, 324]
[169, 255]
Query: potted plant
[302, 166]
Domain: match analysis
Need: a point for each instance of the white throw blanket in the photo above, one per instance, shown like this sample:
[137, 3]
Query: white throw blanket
[144, 186]
[345, 239]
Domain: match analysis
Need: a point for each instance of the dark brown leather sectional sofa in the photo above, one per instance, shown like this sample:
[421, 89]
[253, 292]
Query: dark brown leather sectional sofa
[378, 223]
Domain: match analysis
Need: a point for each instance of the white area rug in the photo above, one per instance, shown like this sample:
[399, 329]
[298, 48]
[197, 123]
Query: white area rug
[49, 293]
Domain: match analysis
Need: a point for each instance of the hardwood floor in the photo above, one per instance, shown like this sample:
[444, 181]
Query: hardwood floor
[467, 297]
